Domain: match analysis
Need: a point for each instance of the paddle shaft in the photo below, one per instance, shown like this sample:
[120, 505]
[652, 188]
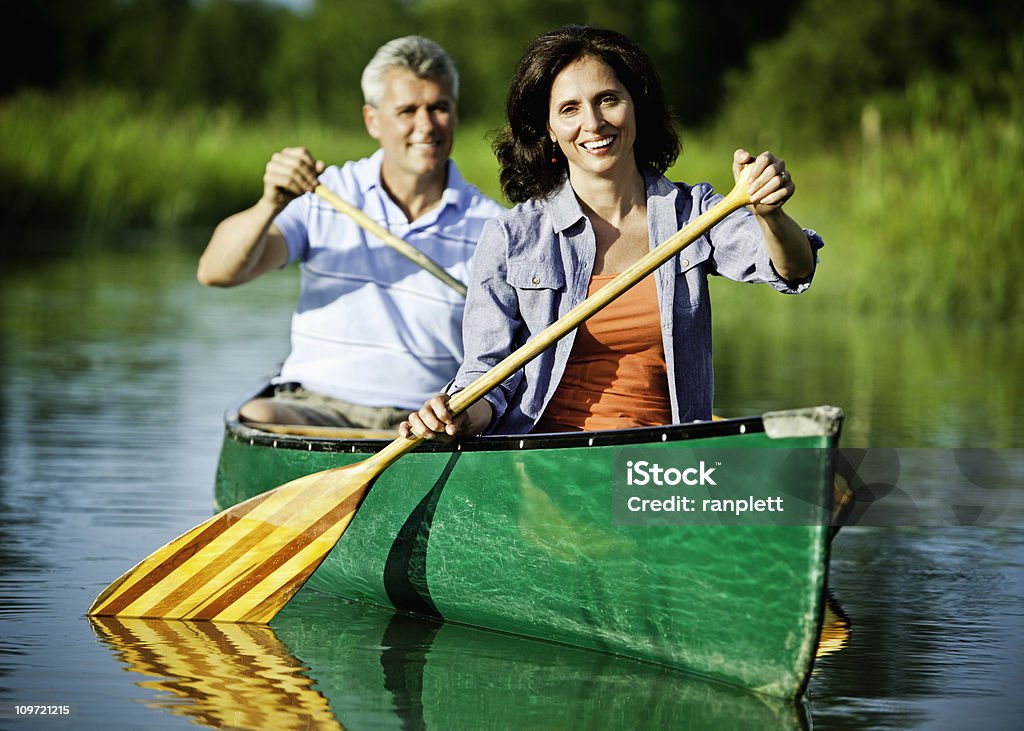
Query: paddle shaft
[402, 247]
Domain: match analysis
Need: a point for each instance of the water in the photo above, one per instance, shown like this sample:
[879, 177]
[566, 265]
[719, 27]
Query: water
[116, 370]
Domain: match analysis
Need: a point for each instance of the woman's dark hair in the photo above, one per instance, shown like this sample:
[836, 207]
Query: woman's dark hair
[524, 148]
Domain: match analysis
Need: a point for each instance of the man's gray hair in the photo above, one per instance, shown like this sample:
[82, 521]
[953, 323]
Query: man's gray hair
[420, 55]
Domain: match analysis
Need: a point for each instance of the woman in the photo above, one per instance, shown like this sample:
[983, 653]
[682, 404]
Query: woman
[588, 139]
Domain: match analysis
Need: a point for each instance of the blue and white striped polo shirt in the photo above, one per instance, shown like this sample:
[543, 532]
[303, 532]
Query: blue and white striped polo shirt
[370, 326]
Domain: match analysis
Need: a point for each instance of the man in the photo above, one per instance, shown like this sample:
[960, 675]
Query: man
[373, 335]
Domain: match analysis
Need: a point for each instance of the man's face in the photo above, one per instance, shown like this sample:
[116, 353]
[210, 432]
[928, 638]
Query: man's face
[414, 122]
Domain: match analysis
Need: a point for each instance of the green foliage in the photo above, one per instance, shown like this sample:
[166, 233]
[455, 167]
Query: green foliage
[316, 69]
[108, 159]
[221, 55]
[692, 44]
[901, 121]
[836, 57]
[947, 194]
[263, 58]
[919, 217]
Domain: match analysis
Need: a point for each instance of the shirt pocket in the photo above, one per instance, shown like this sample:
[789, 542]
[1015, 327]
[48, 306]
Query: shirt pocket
[693, 255]
[534, 275]
[692, 269]
[540, 286]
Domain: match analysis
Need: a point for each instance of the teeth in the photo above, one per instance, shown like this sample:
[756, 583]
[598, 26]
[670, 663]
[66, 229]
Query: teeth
[598, 144]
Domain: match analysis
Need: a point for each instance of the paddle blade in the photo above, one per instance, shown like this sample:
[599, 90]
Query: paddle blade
[244, 564]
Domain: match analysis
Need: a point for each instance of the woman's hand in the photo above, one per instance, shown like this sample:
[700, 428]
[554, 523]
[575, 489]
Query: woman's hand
[771, 185]
[434, 420]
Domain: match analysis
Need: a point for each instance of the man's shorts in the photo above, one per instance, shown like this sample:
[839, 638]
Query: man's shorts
[316, 409]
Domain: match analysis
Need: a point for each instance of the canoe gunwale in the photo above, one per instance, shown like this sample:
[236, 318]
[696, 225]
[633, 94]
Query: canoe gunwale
[242, 432]
[822, 420]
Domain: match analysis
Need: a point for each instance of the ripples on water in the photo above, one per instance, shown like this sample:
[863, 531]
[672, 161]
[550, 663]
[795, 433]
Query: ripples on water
[117, 368]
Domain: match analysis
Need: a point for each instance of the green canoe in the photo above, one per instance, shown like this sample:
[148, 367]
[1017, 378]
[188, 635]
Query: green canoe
[550, 537]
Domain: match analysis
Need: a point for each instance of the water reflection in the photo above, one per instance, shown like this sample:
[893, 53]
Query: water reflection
[236, 676]
[835, 629]
[938, 630]
[328, 662]
[901, 383]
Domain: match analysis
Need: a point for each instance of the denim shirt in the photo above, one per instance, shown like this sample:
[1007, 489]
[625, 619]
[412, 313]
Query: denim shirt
[534, 263]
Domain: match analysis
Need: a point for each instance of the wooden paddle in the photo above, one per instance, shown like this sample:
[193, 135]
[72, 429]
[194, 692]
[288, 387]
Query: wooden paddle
[402, 247]
[245, 563]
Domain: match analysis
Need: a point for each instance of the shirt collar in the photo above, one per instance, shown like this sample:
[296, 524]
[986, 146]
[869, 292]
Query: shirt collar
[662, 218]
[658, 186]
[564, 207]
[452, 194]
[566, 210]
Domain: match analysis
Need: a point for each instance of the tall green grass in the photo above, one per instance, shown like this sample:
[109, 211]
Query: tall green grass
[920, 218]
[107, 160]
[921, 215]
[924, 219]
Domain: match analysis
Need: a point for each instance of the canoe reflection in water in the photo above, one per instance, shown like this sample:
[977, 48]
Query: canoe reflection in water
[331, 662]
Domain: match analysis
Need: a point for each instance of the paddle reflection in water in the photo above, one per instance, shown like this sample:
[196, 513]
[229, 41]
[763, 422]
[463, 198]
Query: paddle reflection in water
[328, 662]
[237, 676]
[835, 629]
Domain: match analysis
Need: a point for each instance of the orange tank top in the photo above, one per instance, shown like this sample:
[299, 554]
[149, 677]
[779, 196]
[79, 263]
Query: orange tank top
[616, 376]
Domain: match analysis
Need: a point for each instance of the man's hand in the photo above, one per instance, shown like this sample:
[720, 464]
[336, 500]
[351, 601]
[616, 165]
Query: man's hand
[290, 173]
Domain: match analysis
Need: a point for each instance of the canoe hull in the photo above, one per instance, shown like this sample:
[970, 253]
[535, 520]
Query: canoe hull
[519, 536]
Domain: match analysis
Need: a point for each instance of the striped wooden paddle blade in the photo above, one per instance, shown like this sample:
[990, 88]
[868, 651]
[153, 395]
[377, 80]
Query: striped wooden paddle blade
[244, 564]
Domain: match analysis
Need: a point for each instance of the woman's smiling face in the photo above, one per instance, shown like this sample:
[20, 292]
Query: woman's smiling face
[591, 118]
